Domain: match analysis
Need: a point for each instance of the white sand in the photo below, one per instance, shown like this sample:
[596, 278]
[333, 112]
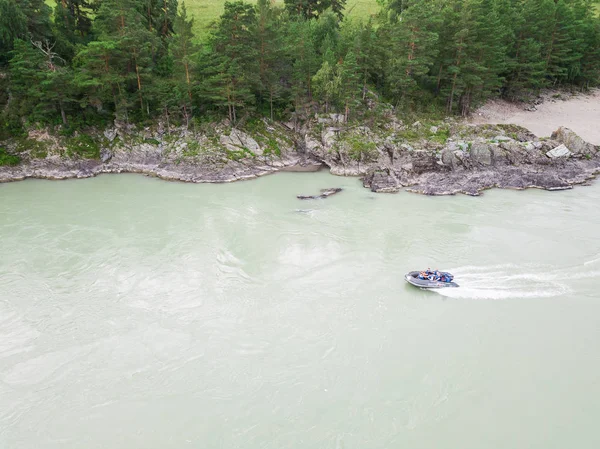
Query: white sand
[581, 113]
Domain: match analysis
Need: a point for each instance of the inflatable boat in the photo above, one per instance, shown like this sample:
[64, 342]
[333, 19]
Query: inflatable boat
[445, 280]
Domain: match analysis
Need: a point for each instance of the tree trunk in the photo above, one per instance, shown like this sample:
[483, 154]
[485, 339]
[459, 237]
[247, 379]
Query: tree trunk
[139, 84]
[346, 112]
[271, 101]
[62, 113]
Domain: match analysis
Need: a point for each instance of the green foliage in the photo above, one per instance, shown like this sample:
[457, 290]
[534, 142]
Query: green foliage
[360, 149]
[441, 137]
[7, 159]
[272, 147]
[192, 148]
[83, 146]
[138, 61]
[230, 66]
[152, 141]
[237, 155]
[34, 148]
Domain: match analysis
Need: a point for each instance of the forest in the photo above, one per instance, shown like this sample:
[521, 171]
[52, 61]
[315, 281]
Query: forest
[90, 62]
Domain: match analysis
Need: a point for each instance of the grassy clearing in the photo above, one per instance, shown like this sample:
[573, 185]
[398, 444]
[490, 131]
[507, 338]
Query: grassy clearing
[207, 11]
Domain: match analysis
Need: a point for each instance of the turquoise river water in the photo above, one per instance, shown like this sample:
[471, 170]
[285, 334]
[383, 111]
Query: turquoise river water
[138, 313]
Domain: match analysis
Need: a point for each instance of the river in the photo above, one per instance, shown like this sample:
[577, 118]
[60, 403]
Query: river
[137, 313]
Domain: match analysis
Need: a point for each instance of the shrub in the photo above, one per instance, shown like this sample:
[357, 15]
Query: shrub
[7, 159]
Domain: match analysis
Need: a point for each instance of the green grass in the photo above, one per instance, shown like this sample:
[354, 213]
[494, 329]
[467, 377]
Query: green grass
[207, 11]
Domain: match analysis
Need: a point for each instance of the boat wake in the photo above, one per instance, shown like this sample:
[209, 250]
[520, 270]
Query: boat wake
[514, 281]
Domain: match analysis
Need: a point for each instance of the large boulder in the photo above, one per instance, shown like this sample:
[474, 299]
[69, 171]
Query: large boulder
[481, 154]
[573, 142]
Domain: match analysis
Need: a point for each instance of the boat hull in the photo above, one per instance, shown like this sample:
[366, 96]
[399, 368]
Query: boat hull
[413, 278]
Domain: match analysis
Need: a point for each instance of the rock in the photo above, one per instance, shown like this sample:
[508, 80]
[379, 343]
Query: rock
[502, 139]
[417, 125]
[110, 134]
[573, 142]
[558, 152]
[105, 155]
[329, 136]
[448, 157]
[323, 120]
[433, 130]
[312, 145]
[337, 118]
[238, 140]
[481, 154]
[381, 181]
[324, 194]
[407, 147]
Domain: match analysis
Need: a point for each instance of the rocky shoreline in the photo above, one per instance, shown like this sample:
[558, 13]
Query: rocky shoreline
[443, 159]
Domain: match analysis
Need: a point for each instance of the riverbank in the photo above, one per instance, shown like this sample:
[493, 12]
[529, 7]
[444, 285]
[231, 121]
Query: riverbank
[436, 158]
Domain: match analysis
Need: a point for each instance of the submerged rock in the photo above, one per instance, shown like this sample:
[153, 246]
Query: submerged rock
[324, 194]
[381, 181]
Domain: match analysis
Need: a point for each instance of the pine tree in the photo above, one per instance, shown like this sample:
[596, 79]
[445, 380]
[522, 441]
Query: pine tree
[350, 82]
[99, 79]
[230, 67]
[301, 35]
[159, 15]
[38, 15]
[39, 82]
[487, 52]
[183, 51]
[589, 70]
[526, 70]
[131, 46]
[561, 47]
[326, 84]
[13, 25]
[413, 48]
[273, 63]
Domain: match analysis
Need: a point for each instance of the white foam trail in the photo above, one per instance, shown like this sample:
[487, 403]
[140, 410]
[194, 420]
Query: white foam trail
[593, 261]
[514, 281]
[499, 293]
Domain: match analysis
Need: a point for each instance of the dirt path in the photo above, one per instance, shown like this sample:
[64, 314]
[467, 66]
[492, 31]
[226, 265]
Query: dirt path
[580, 113]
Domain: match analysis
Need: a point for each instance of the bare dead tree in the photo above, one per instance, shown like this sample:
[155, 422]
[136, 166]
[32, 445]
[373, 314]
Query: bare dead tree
[47, 50]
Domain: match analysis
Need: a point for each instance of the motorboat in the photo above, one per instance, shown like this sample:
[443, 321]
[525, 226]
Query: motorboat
[430, 279]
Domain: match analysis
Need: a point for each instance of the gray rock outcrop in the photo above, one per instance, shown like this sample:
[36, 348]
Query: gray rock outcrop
[388, 158]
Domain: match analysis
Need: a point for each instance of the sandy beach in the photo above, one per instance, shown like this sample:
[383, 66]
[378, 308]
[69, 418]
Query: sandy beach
[581, 113]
